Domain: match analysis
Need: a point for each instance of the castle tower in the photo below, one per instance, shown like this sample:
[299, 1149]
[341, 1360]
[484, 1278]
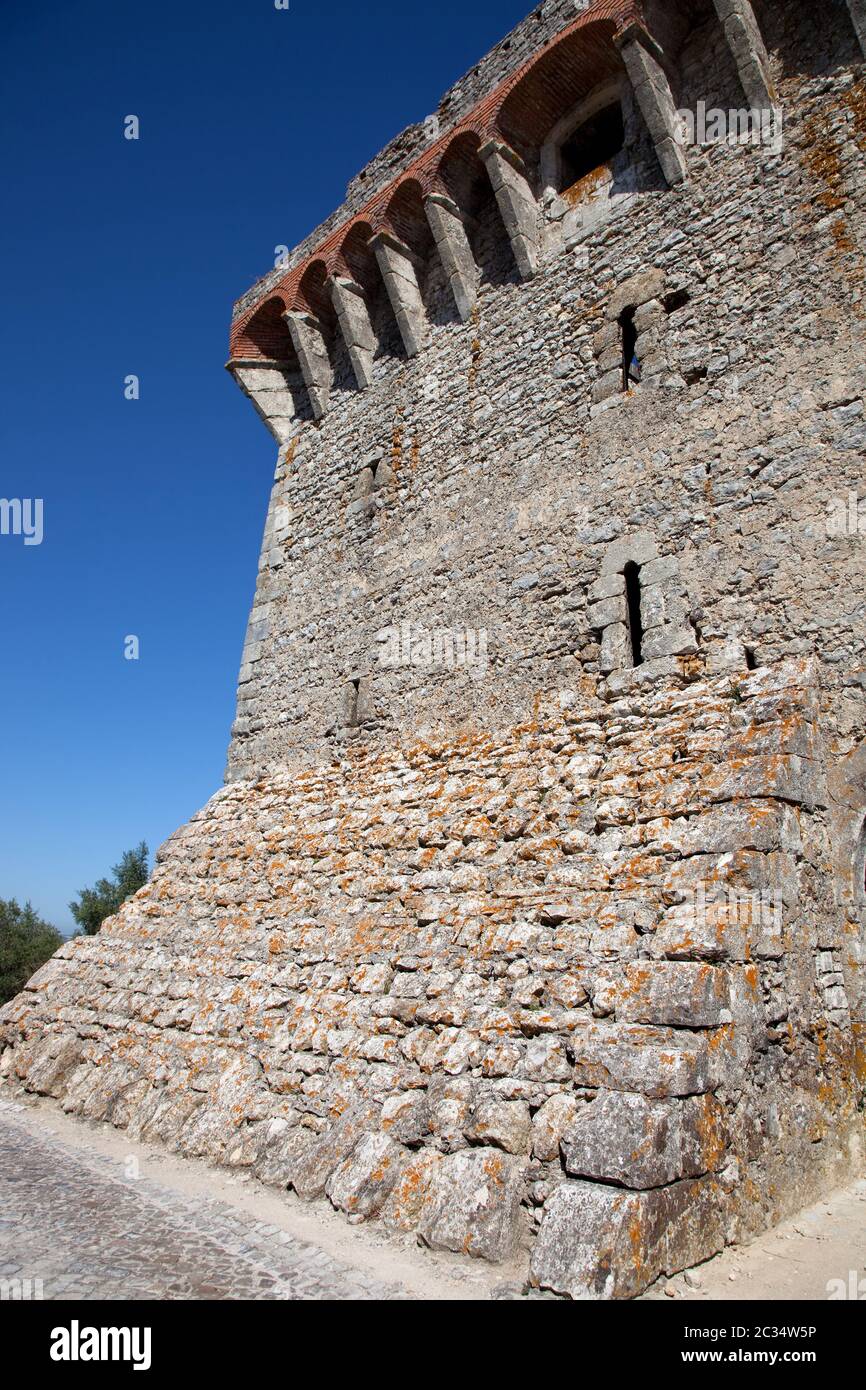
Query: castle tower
[539, 867]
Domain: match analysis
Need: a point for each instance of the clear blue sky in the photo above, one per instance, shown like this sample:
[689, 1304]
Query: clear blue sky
[124, 257]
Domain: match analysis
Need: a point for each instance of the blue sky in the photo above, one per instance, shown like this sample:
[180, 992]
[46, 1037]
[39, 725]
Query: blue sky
[124, 257]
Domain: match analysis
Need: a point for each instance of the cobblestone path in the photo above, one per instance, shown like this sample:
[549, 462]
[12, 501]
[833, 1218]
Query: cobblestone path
[72, 1220]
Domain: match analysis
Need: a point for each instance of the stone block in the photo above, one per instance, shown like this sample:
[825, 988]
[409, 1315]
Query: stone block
[599, 1242]
[410, 1195]
[747, 825]
[455, 251]
[309, 342]
[406, 1117]
[660, 669]
[658, 1062]
[362, 1183]
[669, 640]
[609, 586]
[504, 1124]
[780, 776]
[397, 265]
[281, 1150]
[857, 11]
[353, 316]
[636, 1142]
[653, 95]
[312, 1168]
[662, 603]
[640, 547]
[607, 386]
[717, 931]
[662, 570]
[550, 1122]
[473, 1205]
[750, 54]
[678, 994]
[516, 202]
[607, 611]
[615, 649]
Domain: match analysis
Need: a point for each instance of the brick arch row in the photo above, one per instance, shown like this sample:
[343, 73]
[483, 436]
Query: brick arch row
[493, 153]
[519, 113]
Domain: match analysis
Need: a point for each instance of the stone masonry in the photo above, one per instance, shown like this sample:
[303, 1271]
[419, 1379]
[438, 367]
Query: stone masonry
[531, 917]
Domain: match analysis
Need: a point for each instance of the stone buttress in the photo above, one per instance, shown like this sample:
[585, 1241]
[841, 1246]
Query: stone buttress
[571, 994]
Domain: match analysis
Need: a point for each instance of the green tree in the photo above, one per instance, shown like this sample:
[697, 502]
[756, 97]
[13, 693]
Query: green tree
[95, 904]
[26, 942]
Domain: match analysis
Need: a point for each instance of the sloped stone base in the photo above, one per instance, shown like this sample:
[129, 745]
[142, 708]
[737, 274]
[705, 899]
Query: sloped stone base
[492, 990]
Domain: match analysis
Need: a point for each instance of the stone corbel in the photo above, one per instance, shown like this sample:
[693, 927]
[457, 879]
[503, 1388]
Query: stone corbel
[857, 10]
[750, 55]
[642, 59]
[399, 268]
[353, 317]
[516, 201]
[268, 384]
[309, 344]
[449, 227]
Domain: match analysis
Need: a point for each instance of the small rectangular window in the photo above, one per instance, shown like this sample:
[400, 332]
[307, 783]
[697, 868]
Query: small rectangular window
[594, 143]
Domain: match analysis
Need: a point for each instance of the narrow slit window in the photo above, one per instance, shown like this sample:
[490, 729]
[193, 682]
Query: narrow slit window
[632, 598]
[351, 701]
[593, 144]
[359, 711]
[630, 364]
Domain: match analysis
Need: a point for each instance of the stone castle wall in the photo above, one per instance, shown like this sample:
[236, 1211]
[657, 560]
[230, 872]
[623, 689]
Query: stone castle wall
[531, 919]
[508, 460]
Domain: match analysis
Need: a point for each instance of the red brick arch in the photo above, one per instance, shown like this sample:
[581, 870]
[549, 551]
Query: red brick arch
[265, 334]
[354, 259]
[460, 172]
[559, 77]
[404, 215]
[312, 295]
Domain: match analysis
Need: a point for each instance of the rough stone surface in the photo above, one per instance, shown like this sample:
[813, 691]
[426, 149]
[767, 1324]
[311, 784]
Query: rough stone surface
[547, 785]
[625, 1138]
[427, 986]
[604, 1242]
[474, 1204]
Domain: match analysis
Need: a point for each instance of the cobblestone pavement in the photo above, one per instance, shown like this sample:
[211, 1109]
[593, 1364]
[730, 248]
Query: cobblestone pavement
[70, 1218]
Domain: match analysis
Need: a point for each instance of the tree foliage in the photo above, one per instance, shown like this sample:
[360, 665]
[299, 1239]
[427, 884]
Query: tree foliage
[26, 942]
[93, 905]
